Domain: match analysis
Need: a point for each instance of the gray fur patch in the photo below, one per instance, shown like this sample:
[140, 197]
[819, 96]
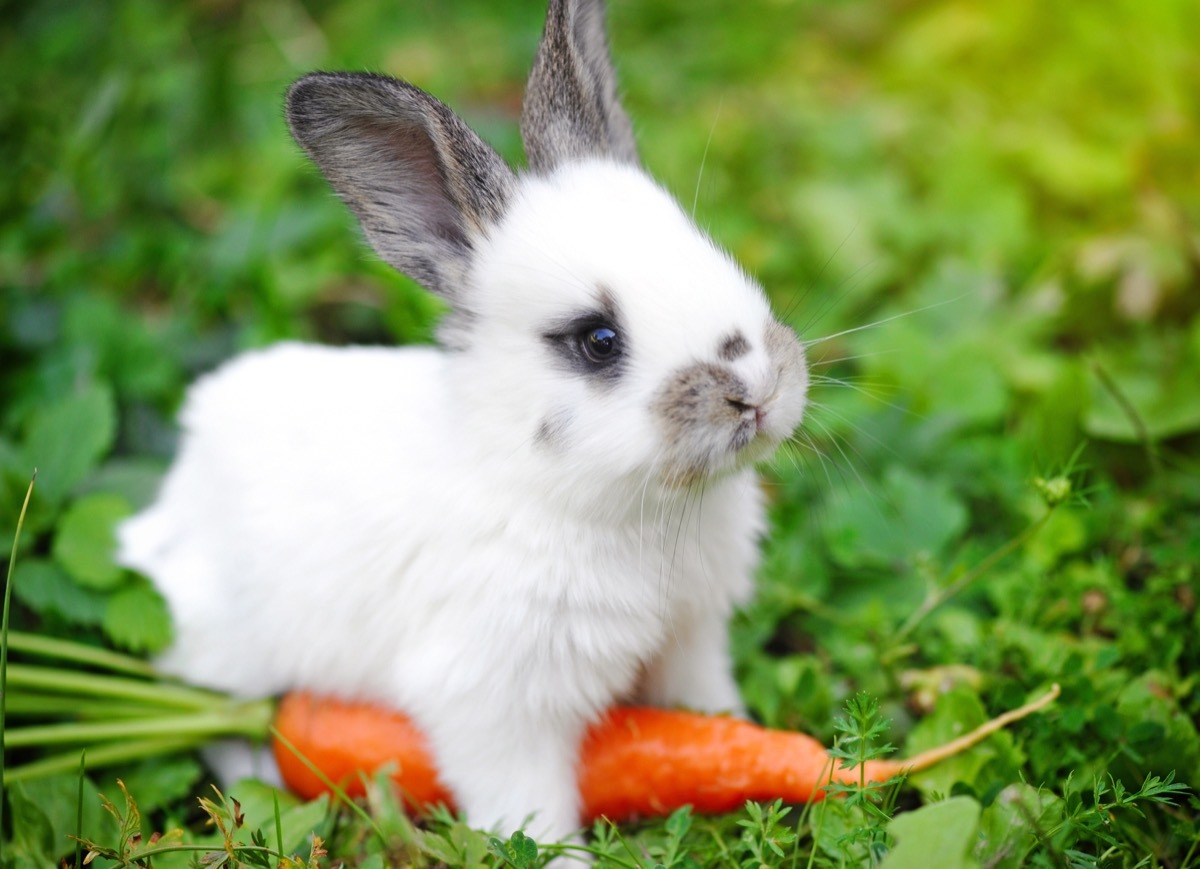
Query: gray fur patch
[703, 418]
[571, 110]
[785, 351]
[733, 347]
[552, 430]
[422, 184]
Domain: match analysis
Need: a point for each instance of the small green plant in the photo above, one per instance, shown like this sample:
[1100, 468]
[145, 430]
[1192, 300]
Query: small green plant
[861, 730]
[518, 851]
[229, 851]
[765, 840]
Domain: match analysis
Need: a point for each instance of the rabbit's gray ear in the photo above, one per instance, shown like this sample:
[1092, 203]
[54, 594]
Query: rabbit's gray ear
[571, 109]
[423, 185]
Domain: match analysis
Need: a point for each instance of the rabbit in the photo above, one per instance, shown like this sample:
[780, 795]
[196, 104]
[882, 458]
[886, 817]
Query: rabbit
[553, 510]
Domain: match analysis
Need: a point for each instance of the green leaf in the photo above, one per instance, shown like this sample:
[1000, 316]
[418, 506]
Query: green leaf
[136, 480]
[944, 831]
[1010, 827]
[1153, 387]
[86, 540]
[680, 821]
[46, 589]
[44, 817]
[519, 851]
[257, 799]
[34, 840]
[907, 516]
[158, 782]
[137, 619]
[298, 822]
[65, 440]
[1158, 729]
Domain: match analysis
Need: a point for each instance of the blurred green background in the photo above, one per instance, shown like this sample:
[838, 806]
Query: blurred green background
[1012, 191]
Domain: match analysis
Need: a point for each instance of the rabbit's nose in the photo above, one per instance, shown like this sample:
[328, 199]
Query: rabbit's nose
[749, 411]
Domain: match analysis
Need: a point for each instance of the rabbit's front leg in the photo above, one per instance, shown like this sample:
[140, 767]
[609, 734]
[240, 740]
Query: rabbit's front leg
[513, 770]
[694, 669]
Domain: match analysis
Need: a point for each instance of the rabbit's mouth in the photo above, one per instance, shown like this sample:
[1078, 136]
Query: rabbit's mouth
[712, 427]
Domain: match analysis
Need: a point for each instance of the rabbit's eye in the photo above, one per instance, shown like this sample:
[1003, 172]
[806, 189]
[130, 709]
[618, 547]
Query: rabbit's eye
[599, 345]
[590, 343]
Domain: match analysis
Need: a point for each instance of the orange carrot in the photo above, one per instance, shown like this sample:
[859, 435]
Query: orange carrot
[634, 762]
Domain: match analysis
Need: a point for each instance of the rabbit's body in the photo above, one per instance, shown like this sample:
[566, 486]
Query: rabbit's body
[501, 538]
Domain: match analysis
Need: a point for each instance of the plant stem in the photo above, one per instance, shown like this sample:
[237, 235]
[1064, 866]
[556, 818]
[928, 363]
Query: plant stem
[114, 752]
[28, 704]
[1131, 413]
[239, 720]
[935, 600]
[65, 650]
[79, 810]
[8, 587]
[342, 796]
[147, 853]
[51, 679]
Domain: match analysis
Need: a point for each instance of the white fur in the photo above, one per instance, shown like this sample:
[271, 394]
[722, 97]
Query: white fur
[384, 524]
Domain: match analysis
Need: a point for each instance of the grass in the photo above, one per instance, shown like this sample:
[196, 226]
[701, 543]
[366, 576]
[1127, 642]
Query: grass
[998, 487]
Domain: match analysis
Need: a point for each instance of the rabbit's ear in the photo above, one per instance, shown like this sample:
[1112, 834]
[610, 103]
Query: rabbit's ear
[423, 185]
[571, 109]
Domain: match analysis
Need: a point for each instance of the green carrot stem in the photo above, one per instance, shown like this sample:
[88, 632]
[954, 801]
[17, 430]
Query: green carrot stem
[104, 755]
[28, 704]
[251, 719]
[66, 650]
[50, 679]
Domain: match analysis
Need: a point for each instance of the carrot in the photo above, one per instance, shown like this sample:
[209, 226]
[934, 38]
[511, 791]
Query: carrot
[633, 762]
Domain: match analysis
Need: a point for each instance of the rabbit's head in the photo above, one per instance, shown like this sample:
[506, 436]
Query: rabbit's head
[591, 320]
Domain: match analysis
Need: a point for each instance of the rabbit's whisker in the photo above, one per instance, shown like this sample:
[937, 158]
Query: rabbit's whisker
[814, 341]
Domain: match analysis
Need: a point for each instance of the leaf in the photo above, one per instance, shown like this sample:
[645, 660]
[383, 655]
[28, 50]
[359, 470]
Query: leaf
[1157, 384]
[65, 440]
[1158, 729]
[1010, 827]
[86, 540]
[258, 804]
[44, 816]
[46, 589]
[160, 781]
[34, 840]
[136, 480]
[299, 823]
[519, 851]
[945, 831]
[680, 821]
[908, 516]
[137, 618]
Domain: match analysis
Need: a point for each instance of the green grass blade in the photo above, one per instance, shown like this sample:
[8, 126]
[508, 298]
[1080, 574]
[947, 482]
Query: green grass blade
[333, 788]
[278, 823]
[79, 811]
[8, 586]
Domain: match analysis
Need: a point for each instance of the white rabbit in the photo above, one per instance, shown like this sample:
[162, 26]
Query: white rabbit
[553, 512]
